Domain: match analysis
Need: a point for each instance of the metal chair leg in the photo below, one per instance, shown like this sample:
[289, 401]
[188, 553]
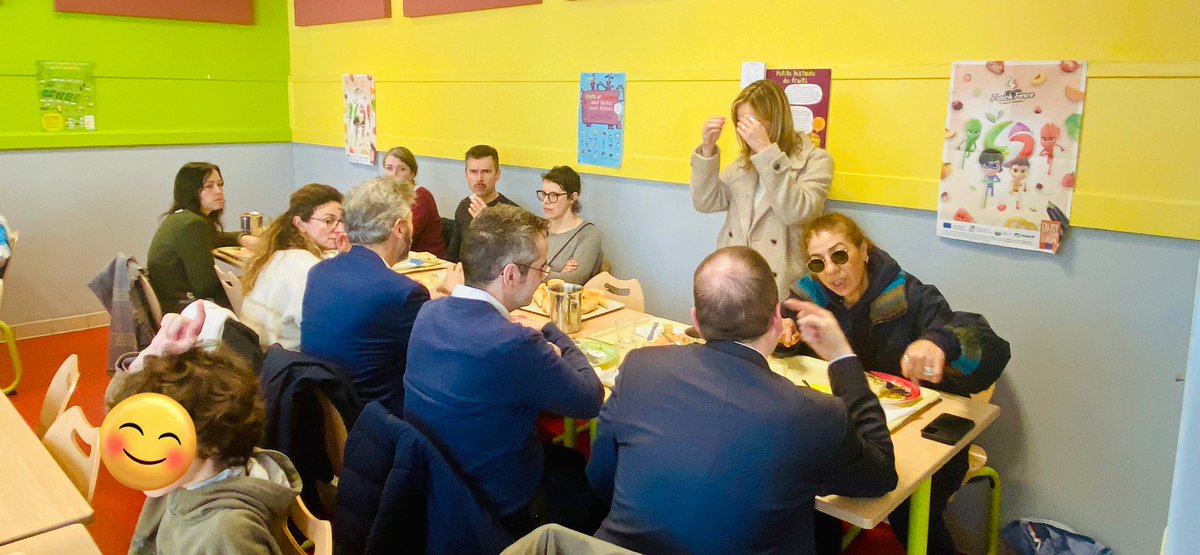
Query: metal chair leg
[988, 473]
[9, 339]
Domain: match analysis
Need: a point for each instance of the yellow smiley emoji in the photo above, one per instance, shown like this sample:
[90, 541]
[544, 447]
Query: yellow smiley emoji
[147, 441]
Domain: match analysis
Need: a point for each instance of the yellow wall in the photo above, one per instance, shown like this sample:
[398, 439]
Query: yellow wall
[509, 78]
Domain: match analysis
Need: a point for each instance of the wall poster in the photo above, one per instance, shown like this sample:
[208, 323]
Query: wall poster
[601, 119]
[358, 94]
[1012, 142]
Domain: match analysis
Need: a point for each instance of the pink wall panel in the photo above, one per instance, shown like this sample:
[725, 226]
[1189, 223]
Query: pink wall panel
[320, 12]
[419, 8]
[217, 11]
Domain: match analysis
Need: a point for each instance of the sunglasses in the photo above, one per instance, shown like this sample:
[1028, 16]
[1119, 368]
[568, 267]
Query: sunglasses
[817, 265]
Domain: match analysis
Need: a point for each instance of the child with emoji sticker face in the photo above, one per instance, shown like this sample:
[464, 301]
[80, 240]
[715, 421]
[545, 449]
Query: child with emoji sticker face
[231, 497]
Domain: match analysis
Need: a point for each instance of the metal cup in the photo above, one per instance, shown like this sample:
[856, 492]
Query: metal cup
[564, 306]
[252, 222]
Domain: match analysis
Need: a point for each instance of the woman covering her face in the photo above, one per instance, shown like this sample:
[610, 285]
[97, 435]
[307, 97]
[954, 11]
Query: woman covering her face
[777, 183]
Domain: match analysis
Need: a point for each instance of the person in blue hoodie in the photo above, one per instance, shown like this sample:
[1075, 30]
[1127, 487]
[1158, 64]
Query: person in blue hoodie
[476, 380]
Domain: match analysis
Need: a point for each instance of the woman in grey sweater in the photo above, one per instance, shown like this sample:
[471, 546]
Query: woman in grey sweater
[575, 252]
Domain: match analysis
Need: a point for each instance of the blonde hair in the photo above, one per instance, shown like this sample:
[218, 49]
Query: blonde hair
[769, 102]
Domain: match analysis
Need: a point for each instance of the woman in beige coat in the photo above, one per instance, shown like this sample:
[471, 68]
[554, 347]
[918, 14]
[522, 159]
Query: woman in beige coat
[777, 184]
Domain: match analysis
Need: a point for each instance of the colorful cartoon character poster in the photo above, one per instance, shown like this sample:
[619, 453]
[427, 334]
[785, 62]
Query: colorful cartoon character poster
[601, 119]
[1012, 142]
[807, 92]
[358, 99]
[67, 96]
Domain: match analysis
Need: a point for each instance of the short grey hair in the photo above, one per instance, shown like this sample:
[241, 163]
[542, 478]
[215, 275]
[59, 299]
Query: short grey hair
[372, 208]
[498, 236]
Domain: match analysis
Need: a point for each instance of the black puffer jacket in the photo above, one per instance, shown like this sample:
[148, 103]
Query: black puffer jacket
[896, 310]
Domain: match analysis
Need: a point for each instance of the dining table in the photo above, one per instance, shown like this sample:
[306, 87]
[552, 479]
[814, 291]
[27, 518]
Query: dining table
[36, 496]
[73, 540]
[917, 458]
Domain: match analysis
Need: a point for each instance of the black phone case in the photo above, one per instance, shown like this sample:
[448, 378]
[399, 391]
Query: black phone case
[947, 428]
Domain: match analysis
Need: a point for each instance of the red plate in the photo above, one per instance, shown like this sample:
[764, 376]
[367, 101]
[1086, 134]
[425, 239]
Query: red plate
[911, 391]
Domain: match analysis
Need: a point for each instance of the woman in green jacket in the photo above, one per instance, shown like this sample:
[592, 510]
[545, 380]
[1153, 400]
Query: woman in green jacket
[180, 260]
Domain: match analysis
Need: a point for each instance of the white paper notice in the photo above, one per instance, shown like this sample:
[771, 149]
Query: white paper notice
[753, 71]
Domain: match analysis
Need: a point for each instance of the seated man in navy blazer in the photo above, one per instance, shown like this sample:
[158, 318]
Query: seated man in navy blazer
[702, 449]
[357, 312]
[476, 380]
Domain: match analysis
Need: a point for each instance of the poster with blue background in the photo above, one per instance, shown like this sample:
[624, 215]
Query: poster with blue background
[601, 119]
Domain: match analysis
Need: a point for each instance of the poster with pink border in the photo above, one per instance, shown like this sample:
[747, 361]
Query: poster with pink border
[358, 99]
[807, 92]
[1011, 146]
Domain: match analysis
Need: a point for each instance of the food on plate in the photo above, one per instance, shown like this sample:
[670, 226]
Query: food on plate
[672, 336]
[892, 390]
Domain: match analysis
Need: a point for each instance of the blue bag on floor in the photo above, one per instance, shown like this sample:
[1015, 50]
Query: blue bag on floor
[1046, 537]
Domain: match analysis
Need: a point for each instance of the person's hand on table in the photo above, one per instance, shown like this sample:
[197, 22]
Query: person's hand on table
[819, 329]
[571, 266]
[454, 276]
[477, 206]
[923, 360]
[710, 134]
[753, 132]
[790, 335]
[249, 241]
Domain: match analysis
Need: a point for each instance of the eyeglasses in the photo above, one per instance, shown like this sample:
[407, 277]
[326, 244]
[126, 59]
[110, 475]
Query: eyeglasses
[330, 221]
[817, 265]
[543, 195]
[545, 268]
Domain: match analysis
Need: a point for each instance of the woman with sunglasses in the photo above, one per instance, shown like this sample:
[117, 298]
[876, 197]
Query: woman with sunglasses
[777, 183]
[574, 244]
[276, 274]
[900, 326]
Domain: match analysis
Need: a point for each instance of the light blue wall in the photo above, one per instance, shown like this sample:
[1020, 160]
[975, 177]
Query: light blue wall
[1090, 407]
[1183, 523]
[75, 209]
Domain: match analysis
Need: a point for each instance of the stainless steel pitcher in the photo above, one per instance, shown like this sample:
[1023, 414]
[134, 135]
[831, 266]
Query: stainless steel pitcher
[564, 306]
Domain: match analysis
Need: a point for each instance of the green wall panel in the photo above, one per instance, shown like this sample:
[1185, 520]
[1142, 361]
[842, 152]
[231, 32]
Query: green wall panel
[157, 81]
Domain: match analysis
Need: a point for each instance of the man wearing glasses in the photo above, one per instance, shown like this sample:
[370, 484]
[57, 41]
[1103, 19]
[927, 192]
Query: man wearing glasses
[357, 312]
[476, 380]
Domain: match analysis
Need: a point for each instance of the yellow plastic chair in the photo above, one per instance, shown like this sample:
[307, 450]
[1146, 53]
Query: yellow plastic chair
[628, 291]
[319, 533]
[58, 395]
[6, 333]
[63, 440]
[978, 471]
[232, 285]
